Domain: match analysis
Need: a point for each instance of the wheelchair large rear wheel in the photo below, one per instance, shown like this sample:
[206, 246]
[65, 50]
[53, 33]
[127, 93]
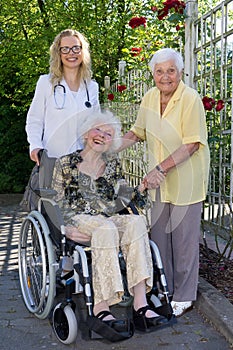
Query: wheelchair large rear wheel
[37, 272]
[65, 323]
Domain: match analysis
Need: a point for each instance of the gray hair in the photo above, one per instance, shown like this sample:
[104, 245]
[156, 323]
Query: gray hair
[164, 55]
[100, 118]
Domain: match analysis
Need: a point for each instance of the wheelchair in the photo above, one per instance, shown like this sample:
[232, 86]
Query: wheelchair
[42, 245]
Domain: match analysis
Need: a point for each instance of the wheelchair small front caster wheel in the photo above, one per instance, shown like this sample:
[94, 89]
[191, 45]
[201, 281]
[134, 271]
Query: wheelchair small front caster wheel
[65, 323]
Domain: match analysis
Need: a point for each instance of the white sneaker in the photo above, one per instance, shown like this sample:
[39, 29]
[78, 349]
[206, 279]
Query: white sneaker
[180, 307]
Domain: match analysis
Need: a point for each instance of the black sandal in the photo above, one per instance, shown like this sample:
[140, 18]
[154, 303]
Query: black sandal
[117, 324]
[147, 324]
[113, 330]
[102, 314]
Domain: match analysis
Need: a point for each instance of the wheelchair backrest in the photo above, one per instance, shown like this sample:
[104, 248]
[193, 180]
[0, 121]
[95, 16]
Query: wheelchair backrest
[54, 219]
[40, 179]
[46, 170]
[49, 209]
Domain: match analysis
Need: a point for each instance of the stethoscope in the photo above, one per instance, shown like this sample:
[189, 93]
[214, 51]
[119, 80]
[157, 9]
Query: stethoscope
[61, 104]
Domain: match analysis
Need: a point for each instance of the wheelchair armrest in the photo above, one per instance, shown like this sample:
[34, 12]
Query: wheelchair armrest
[45, 192]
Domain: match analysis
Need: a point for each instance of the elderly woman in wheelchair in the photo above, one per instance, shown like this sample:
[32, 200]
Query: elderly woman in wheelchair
[86, 208]
[86, 183]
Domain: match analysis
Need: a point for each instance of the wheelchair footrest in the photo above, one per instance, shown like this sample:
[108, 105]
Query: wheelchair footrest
[103, 330]
[94, 335]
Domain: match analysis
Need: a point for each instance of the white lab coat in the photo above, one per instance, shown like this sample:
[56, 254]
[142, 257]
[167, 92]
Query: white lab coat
[56, 129]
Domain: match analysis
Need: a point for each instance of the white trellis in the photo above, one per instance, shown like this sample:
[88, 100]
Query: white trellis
[212, 76]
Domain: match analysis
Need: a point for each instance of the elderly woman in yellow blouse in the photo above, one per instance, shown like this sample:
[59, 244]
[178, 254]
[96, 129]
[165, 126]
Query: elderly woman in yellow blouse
[172, 121]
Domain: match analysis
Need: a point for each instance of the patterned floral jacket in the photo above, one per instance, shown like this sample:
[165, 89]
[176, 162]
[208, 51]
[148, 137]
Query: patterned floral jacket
[78, 193]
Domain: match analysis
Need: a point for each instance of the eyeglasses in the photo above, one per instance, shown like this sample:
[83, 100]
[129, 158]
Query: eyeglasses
[66, 49]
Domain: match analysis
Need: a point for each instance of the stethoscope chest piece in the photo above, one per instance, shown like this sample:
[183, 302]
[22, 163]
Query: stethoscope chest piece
[88, 104]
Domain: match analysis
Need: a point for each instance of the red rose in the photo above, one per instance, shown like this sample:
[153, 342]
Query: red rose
[121, 88]
[162, 13]
[178, 6]
[137, 21]
[135, 51]
[208, 103]
[110, 97]
[169, 4]
[219, 106]
[153, 8]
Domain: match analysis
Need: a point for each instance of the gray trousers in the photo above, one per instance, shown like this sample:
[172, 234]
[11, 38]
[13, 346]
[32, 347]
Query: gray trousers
[176, 231]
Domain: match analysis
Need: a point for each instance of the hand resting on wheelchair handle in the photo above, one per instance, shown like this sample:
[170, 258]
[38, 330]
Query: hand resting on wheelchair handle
[91, 191]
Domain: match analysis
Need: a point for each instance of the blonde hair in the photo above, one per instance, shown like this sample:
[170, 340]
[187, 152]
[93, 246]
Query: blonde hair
[100, 118]
[56, 67]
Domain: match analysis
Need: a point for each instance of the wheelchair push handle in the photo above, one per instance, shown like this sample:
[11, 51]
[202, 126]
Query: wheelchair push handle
[39, 154]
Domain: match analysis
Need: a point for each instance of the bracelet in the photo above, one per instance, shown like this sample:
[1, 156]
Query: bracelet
[159, 169]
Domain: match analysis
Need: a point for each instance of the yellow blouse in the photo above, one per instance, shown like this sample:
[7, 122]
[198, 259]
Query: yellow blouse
[182, 122]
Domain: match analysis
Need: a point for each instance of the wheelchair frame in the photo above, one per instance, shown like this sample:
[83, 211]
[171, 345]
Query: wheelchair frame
[42, 243]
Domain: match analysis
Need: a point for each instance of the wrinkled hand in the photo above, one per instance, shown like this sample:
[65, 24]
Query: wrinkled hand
[124, 194]
[74, 234]
[153, 179]
[142, 187]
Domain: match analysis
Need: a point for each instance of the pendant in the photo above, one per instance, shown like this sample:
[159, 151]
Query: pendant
[92, 185]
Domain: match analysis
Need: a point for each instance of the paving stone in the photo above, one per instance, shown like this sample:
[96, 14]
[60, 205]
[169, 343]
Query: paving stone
[23, 331]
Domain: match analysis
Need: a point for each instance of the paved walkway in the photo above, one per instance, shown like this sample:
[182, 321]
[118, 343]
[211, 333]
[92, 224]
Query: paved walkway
[22, 331]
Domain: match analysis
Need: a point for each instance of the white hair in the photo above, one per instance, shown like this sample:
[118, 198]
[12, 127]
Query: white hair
[164, 55]
[101, 118]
